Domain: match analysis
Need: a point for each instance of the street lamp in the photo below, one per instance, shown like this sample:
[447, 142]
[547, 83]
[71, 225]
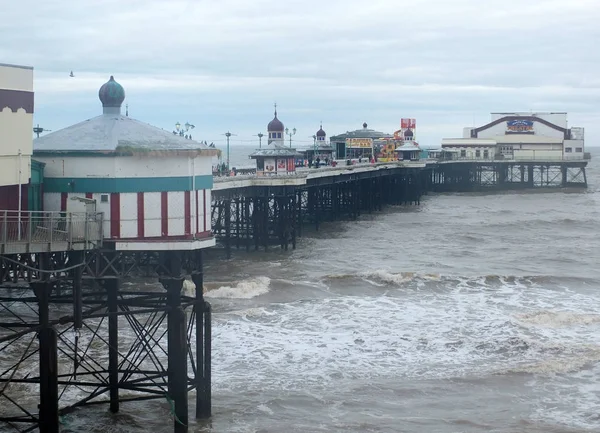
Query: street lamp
[228, 134]
[290, 133]
[260, 135]
[183, 131]
[314, 146]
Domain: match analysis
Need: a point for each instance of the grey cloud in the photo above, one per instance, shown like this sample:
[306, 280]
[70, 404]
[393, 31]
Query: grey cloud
[224, 62]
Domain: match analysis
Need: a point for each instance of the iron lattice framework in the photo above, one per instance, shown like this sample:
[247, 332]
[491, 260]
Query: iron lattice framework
[484, 175]
[79, 337]
[259, 217]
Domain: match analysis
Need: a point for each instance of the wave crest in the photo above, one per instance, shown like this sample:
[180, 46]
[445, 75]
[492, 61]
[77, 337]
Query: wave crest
[245, 289]
[558, 319]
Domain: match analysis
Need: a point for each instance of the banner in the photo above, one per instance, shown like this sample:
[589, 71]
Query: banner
[269, 165]
[359, 143]
[281, 165]
[408, 123]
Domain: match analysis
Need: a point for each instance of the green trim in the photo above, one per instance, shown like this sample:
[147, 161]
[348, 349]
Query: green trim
[127, 184]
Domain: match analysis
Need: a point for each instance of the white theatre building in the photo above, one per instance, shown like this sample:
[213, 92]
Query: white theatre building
[520, 136]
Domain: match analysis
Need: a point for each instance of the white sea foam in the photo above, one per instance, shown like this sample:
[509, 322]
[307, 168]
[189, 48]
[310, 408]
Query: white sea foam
[388, 277]
[245, 289]
[556, 319]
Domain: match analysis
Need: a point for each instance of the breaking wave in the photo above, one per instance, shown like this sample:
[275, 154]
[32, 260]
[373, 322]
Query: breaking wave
[245, 289]
[387, 277]
[558, 319]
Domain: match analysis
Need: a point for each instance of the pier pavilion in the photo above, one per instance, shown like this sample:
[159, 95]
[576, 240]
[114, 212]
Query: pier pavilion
[121, 198]
[360, 142]
[521, 136]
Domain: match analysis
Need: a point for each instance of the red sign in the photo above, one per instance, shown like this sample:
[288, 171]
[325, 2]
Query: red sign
[291, 165]
[408, 123]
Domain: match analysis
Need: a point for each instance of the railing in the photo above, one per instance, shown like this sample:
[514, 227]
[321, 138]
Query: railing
[54, 229]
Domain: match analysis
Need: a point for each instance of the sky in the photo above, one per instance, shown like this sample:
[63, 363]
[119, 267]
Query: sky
[221, 64]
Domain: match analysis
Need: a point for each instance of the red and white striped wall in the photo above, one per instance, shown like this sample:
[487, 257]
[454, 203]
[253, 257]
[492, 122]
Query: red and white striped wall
[141, 216]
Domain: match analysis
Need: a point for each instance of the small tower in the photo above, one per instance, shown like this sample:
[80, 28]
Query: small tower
[321, 136]
[275, 131]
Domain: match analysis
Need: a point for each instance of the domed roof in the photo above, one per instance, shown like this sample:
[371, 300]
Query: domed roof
[408, 133]
[320, 132]
[111, 93]
[275, 124]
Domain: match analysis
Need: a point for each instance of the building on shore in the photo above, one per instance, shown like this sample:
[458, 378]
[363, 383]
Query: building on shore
[153, 187]
[360, 143]
[20, 177]
[520, 136]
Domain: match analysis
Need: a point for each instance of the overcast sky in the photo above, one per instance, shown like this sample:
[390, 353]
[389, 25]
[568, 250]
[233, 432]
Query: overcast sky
[220, 64]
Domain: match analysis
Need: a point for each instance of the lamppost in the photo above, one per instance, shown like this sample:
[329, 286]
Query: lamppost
[182, 132]
[228, 134]
[290, 133]
[260, 135]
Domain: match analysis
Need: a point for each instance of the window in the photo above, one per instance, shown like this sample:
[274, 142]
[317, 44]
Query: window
[568, 150]
[463, 153]
[279, 135]
[104, 198]
[478, 153]
[579, 149]
[486, 153]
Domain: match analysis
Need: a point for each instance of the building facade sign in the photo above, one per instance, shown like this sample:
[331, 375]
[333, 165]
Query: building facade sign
[519, 126]
[359, 143]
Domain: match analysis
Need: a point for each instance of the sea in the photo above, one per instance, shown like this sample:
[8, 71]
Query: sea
[475, 312]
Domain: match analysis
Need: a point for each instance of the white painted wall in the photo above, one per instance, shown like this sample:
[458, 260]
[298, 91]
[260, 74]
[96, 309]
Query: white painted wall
[574, 149]
[537, 155]
[16, 78]
[52, 201]
[15, 129]
[176, 214]
[75, 166]
[152, 213]
[538, 128]
[128, 208]
[207, 213]
[125, 166]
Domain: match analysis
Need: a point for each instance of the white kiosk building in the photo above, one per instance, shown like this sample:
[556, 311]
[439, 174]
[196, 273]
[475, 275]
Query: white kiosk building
[153, 187]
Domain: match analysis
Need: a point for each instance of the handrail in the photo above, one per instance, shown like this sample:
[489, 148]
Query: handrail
[28, 228]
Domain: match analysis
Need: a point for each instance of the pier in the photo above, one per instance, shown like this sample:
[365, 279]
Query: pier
[252, 213]
[62, 282]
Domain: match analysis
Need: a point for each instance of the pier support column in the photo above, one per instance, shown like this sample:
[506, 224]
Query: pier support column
[177, 352]
[530, 175]
[563, 170]
[48, 338]
[248, 220]
[299, 219]
[228, 228]
[203, 344]
[112, 289]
